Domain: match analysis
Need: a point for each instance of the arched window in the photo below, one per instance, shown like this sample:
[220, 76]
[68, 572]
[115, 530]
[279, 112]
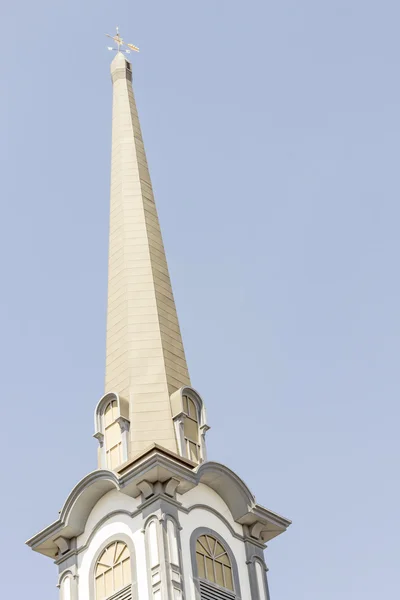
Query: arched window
[113, 570]
[190, 423]
[112, 436]
[191, 429]
[111, 418]
[213, 562]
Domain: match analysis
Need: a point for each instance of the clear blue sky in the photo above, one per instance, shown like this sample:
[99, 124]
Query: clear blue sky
[272, 131]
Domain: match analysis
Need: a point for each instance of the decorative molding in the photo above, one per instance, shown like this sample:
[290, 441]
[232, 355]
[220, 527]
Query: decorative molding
[147, 468]
[71, 575]
[63, 544]
[100, 438]
[256, 530]
[173, 557]
[170, 487]
[217, 514]
[204, 428]
[146, 488]
[123, 423]
[114, 513]
[154, 553]
[63, 575]
[159, 499]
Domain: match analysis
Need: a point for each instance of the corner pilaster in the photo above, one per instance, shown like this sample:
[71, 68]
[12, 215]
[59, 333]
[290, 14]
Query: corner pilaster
[256, 566]
[162, 539]
[68, 583]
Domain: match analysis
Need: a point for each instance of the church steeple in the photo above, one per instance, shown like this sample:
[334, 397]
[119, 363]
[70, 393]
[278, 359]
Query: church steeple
[145, 360]
[156, 520]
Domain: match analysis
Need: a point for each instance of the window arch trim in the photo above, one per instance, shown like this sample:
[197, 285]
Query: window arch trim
[122, 406]
[193, 539]
[191, 445]
[263, 593]
[117, 537]
[122, 419]
[64, 576]
[176, 403]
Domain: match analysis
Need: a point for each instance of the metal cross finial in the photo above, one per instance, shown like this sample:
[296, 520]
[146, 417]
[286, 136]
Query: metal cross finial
[120, 42]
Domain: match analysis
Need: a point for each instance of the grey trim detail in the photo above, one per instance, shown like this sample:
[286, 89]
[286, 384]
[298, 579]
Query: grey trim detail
[72, 574]
[165, 505]
[163, 508]
[146, 489]
[98, 525]
[264, 577]
[159, 568]
[193, 538]
[242, 538]
[89, 490]
[254, 554]
[217, 514]
[69, 561]
[172, 568]
[162, 503]
[117, 537]
[170, 487]
[267, 585]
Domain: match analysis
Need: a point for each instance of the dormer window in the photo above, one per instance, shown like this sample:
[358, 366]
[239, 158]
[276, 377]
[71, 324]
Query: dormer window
[112, 427]
[190, 424]
[112, 436]
[191, 429]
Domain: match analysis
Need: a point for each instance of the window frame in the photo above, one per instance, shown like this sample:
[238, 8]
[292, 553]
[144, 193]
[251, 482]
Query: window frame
[180, 401]
[117, 537]
[114, 421]
[187, 403]
[113, 568]
[209, 555]
[122, 413]
[196, 534]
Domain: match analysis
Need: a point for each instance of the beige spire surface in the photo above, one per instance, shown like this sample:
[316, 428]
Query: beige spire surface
[145, 359]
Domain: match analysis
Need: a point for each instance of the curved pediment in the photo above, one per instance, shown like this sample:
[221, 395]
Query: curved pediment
[74, 513]
[156, 472]
[233, 491]
[83, 498]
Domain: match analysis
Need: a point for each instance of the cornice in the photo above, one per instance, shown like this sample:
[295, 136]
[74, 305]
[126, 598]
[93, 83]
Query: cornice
[138, 478]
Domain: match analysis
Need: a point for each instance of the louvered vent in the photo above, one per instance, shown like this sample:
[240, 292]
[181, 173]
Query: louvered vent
[211, 592]
[125, 594]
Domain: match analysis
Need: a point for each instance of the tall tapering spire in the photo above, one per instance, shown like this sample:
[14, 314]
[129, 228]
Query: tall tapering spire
[156, 519]
[145, 360]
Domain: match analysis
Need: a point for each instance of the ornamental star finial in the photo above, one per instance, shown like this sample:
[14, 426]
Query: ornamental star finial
[120, 42]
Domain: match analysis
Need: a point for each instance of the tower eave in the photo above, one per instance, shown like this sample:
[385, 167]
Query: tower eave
[156, 465]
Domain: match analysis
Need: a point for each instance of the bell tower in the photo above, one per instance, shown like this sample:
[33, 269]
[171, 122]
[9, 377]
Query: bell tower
[156, 519]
